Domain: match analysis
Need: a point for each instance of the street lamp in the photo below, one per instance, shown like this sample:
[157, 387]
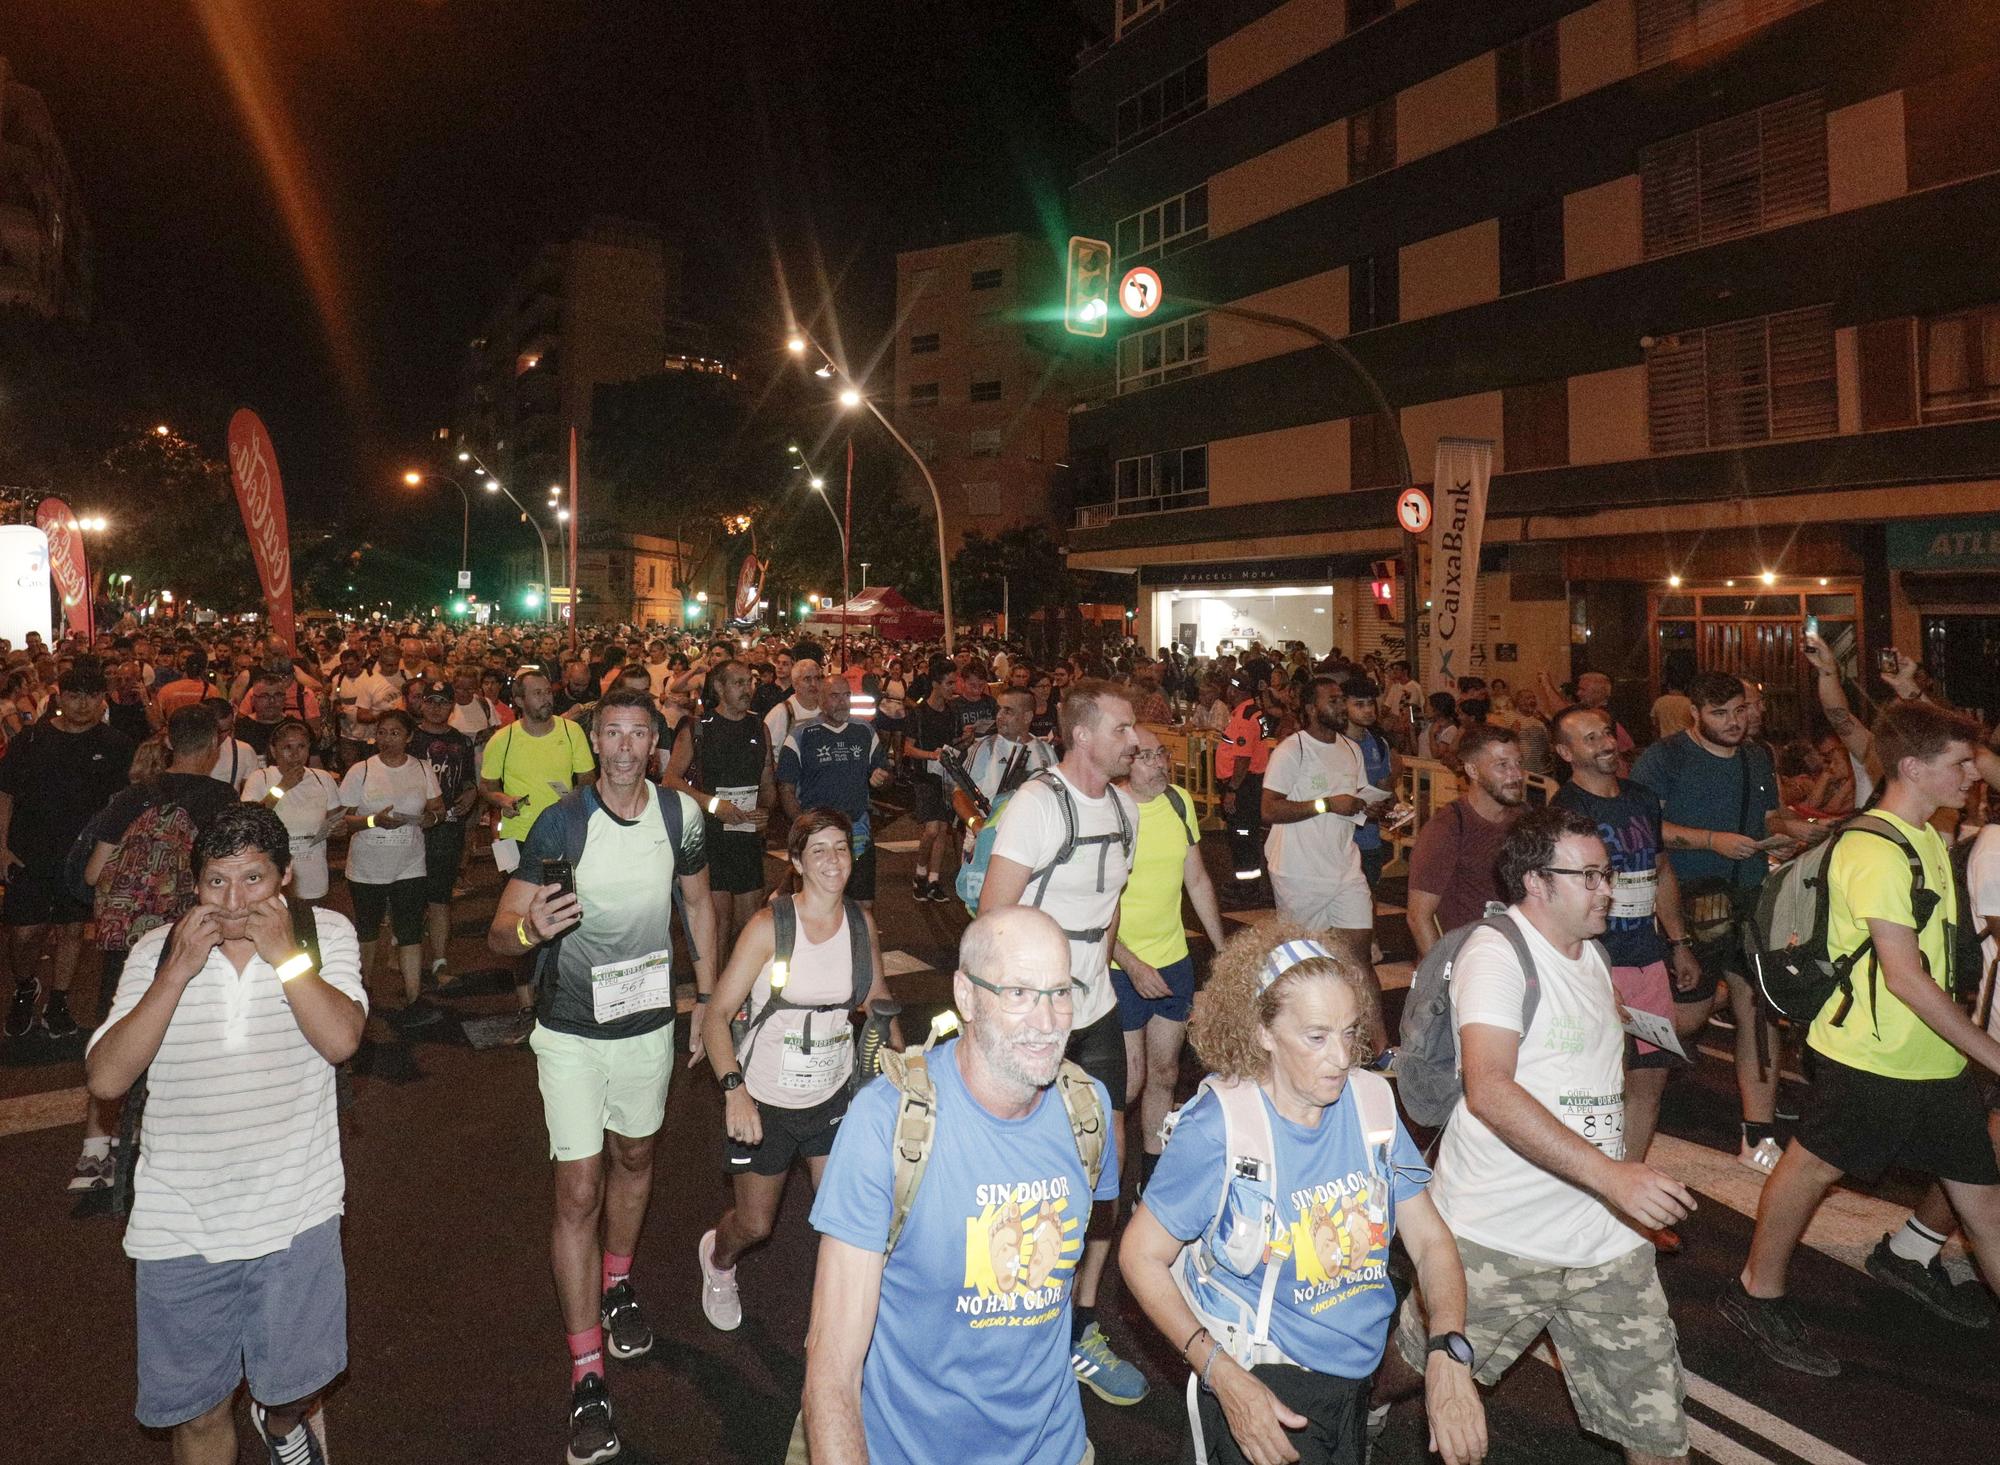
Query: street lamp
[494, 485]
[817, 483]
[850, 397]
[415, 479]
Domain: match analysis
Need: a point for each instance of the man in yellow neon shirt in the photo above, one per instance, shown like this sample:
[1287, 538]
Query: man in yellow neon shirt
[1890, 1084]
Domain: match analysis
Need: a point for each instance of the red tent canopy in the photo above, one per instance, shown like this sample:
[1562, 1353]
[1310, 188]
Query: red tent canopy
[879, 610]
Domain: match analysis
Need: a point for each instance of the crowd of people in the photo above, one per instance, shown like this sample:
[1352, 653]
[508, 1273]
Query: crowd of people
[183, 801]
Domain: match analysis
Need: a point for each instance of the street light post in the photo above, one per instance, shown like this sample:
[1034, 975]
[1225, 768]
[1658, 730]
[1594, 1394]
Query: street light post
[852, 396]
[817, 483]
[494, 485]
[414, 478]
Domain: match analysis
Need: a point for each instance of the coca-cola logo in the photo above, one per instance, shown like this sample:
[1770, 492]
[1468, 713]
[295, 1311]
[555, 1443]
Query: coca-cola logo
[60, 527]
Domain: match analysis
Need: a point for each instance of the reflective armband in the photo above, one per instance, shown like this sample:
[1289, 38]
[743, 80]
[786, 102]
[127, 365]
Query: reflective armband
[295, 965]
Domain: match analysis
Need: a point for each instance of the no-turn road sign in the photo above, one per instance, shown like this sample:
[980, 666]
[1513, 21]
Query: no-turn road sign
[1413, 510]
[1139, 292]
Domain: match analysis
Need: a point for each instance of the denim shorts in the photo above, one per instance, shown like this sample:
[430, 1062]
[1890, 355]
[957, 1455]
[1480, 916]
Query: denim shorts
[278, 1320]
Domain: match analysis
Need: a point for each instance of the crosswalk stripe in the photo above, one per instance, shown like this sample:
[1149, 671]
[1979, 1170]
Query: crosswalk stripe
[1719, 1447]
[1785, 1436]
[31, 1112]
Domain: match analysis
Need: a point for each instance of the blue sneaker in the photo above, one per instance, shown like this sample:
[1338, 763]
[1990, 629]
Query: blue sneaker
[1103, 1372]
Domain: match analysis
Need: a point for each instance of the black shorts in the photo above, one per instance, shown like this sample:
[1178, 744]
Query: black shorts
[789, 1134]
[932, 806]
[735, 861]
[1099, 1050]
[861, 883]
[404, 902]
[1335, 1410]
[39, 898]
[1862, 1123]
[444, 847]
[1720, 960]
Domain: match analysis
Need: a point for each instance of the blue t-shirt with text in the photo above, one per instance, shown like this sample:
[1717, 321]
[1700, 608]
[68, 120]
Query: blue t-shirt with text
[1630, 827]
[1334, 1300]
[831, 767]
[970, 1359]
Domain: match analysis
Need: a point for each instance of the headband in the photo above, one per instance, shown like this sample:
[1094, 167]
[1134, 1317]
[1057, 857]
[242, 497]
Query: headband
[1288, 955]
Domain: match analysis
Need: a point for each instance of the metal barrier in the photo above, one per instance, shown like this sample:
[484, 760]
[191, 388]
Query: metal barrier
[1428, 785]
[1191, 756]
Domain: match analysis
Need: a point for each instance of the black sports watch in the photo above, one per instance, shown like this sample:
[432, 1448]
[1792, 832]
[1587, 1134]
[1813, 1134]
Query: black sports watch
[734, 1081]
[1454, 1345]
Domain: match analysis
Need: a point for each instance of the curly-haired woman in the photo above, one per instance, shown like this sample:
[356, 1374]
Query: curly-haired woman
[1286, 1021]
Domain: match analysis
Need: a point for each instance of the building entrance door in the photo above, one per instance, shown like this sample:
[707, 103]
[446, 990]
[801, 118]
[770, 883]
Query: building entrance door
[1758, 635]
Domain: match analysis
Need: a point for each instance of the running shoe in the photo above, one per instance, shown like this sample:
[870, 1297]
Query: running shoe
[1763, 1157]
[920, 889]
[627, 1334]
[419, 1014]
[1773, 1324]
[21, 1011]
[1930, 1284]
[93, 1172]
[941, 893]
[56, 1019]
[300, 1447]
[593, 1433]
[1103, 1372]
[721, 1304]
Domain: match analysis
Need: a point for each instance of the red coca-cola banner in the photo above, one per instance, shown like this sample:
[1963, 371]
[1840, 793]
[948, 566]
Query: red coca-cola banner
[749, 587]
[68, 569]
[260, 493]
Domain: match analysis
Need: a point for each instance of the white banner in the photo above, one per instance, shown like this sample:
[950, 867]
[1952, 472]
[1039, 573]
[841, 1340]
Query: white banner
[1458, 523]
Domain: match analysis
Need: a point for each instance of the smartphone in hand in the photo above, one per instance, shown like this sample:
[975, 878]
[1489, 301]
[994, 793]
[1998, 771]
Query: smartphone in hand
[559, 872]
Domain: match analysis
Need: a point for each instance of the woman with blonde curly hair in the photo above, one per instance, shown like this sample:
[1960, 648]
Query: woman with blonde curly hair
[1286, 1020]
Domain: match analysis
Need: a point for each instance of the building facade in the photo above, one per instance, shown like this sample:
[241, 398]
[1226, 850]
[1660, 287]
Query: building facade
[45, 260]
[983, 381]
[1717, 279]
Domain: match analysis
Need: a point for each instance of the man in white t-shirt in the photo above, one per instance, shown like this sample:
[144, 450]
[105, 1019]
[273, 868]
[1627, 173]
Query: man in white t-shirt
[801, 706]
[1312, 805]
[1531, 1173]
[1075, 804]
[235, 1222]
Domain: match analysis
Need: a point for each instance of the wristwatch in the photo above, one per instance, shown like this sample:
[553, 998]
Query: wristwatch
[731, 1082]
[1453, 1344]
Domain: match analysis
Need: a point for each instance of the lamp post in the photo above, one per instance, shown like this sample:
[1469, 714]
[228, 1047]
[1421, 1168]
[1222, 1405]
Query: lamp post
[799, 343]
[494, 485]
[415, 479]
[816, 481]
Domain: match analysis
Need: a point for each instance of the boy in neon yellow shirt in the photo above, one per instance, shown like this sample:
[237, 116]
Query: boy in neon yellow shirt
[1889, 1082]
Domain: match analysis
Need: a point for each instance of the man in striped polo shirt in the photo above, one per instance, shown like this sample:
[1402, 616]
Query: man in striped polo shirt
[236, 1212]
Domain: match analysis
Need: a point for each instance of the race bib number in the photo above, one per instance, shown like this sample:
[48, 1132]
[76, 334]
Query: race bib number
[622, 988]
[823, 1066]
[1632, 894]
[744, 797]
[1599, 1118]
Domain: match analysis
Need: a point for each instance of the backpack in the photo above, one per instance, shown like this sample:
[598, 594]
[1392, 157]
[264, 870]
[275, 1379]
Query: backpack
[1428, 1073]
[1245, 1236]
[915, 1135]
[1786, 938]
[149, 879]
[972, 875]
[745, 1026]
[696, 771]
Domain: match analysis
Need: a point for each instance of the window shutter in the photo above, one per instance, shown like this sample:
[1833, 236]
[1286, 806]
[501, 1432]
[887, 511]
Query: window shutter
[1669, 196]
[1731, 200]
[1794, 146]
[1739, 387]
[1676, 414]
[1803, 396]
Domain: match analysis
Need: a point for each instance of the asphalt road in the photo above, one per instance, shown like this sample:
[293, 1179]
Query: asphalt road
[456, 1348]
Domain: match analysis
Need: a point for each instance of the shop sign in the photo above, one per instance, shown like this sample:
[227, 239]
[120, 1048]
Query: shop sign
[1970, 543]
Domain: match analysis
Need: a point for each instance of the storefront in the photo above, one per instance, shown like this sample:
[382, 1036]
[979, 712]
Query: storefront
[1947, 574]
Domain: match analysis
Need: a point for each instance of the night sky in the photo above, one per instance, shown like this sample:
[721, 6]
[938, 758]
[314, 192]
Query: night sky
[443, 140]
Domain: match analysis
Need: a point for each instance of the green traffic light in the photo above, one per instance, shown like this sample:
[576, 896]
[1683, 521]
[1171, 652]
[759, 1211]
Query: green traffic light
[1087, 288]
[458, 607]
[692, 611]
[531, 599]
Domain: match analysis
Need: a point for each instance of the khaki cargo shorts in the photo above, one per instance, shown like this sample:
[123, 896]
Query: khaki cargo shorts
[1609, 1324]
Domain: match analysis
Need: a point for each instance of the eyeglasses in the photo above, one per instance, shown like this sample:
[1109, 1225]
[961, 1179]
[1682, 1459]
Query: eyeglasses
[1150, 755]
[1019, 1001]
[1593, 877]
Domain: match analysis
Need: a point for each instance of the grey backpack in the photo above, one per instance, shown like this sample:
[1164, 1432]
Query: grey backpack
[1427, 1068]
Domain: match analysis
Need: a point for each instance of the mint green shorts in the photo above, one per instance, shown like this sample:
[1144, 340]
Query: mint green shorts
[590, 1085]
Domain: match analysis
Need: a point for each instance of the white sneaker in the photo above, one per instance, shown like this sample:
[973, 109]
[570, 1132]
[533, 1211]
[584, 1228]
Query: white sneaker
[720, 1303]
[1763, 1158]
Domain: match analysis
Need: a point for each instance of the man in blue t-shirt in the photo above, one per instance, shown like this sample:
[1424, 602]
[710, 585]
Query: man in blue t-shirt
[1381, 763]
[1719, 803]
[831, 763]
[957, 1345]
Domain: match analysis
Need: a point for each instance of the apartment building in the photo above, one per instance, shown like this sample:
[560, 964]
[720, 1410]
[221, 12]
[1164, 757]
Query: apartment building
[44, 238]
[983, 380]
[1717, 278]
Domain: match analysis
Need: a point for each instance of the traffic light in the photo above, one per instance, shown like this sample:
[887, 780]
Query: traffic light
[691, 611]
[531, 598]
[1087, 295]
[458, 607]
[1382, 585]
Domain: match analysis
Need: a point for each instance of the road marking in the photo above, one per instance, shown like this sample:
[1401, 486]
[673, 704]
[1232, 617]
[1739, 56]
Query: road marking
[1729, 1057]
[901, 964]
[1394, 975]
[31, 1112]
[1785, 1436]
[1845, 1227]
[898, 846]
[1719, 1447]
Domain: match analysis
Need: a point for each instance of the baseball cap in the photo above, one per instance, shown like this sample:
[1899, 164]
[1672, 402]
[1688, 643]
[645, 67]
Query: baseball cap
[434, 687]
